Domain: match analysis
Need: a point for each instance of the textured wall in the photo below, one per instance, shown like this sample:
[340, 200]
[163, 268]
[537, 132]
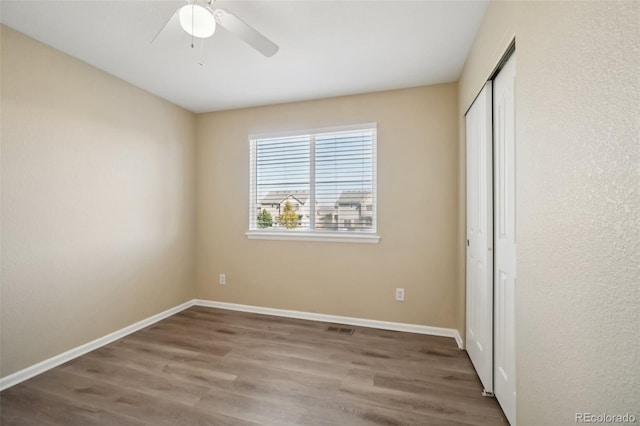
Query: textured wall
[97, 203]
[417, 197]
[578, 201]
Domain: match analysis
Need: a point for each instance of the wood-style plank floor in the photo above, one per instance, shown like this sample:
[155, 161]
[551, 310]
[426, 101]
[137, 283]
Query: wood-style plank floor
[207, 366]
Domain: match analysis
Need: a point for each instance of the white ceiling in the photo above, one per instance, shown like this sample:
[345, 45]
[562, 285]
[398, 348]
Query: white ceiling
[327, 48]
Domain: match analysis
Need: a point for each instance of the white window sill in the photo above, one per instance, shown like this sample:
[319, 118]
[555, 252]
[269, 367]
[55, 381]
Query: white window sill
[328, 237]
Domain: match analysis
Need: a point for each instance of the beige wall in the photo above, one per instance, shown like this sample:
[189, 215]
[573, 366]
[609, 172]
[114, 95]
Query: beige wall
[417, 193]
[578, 202]
[97, 203]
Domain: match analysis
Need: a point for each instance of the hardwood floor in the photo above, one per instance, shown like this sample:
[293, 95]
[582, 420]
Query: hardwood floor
[207, 366]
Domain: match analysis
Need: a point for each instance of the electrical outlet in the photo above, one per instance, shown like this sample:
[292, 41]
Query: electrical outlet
[400, 294]
[223, 279]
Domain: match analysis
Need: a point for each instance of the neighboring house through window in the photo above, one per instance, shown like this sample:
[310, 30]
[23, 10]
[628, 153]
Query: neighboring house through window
[274, 203]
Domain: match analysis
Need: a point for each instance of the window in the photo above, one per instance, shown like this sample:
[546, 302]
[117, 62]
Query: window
[318, 185]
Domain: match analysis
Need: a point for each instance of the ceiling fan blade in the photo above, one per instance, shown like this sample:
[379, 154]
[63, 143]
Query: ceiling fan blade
[163, 27]
[250, 35]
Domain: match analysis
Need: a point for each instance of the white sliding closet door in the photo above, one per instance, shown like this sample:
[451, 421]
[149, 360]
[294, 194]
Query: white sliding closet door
[480, 237]
[505, 238]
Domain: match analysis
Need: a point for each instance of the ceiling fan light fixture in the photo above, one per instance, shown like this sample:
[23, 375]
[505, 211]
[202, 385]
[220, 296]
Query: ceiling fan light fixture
[197, 20]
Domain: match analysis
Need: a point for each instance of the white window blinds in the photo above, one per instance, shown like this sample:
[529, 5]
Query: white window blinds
[321, 181]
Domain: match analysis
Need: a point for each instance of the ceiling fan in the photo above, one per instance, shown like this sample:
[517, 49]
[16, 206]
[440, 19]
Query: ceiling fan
[199, 20]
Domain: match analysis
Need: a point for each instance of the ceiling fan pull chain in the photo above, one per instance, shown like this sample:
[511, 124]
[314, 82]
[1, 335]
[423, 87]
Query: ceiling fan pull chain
[193, 25]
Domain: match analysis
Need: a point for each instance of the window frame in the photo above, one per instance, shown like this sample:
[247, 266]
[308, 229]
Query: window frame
[365, 236]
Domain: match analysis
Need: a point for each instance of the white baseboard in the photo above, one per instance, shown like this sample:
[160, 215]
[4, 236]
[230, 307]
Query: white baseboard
[41, 367]
[385, 325]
